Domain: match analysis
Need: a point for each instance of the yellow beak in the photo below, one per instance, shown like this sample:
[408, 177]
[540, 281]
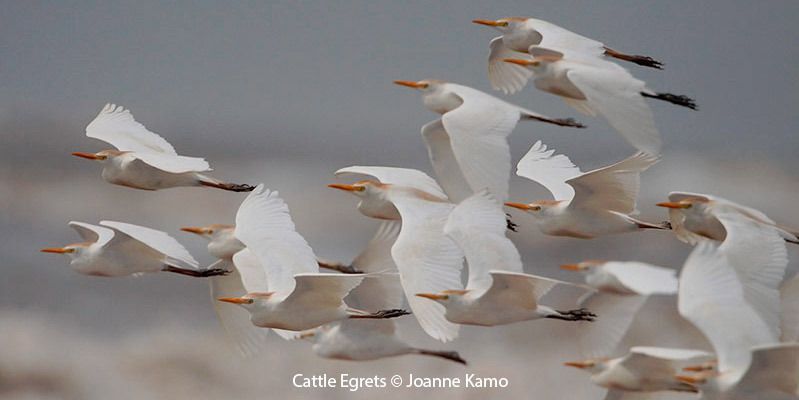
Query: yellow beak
[411, 84]
[348, 188]
[59, 250]
[577, 364]
[523, 63]
[195, 230]
[433, 296]
[520, 206]
[89, 156]
[571, 267]
[236, 300]
[674, 204]
[487, 22]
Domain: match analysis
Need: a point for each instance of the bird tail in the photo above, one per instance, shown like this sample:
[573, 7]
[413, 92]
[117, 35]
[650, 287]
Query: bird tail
[448, 355]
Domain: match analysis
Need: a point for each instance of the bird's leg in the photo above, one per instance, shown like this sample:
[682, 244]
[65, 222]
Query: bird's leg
[557, 121]
[233, 187]
[383, 314]
[344, 269]
[510, 224]
[677, 99]
[196, 273]
[646, 225]
[580, 314]
[640, 60]
[448, 355]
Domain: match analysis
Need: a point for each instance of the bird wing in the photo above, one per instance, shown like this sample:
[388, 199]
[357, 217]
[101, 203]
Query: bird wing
[556, 37]
[115, 125]
[643, 278]
[662, 363]
[92, 233]
[712, 298]
[398, 176]
[477, 225]
[248, 338]
[428, 261]
[173, 163]
[773, 367]
[517, 288]
[613, 188]
[616, 95]
[757, 253]
[156, 240]
[478, 130]
[264, 225]
[616, 314]
[252, 274]
[789, 300]
[322, 290]
[448, 172]
[507, 77]
[546, 168]
[381, 290]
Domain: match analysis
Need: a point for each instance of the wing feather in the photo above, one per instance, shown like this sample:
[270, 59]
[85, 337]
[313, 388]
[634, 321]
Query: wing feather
[543, 166]
[92, 233]
[381, 290]
[398, 176]
[614, 187]
[157, 240]
[448, 172]
[509, 78]
[643, 278]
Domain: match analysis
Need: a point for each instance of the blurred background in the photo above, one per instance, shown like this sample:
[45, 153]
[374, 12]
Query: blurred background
[285, 93]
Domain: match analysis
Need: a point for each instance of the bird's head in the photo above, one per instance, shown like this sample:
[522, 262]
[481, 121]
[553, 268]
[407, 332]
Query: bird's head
[591, 365]
[72, 250]
[444, 296]
[208, 232]
[689, 206]
[361, 189]
[583, 266]
[425, 86]
[503, 24]
[99, 156]
[249, 300]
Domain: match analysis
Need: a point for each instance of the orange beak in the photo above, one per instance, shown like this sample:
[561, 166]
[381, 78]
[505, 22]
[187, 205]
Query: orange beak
[571, 267]
[236, 300]
[691, 380]
[487, 22]
[58, 250]
[578, 364]
[674, 204]
[432, 296]
[411, 84]
[520, 206]
[523, 63]
[348, 188]
[89, 156]
[306, 335]
[195, 230]
[696, 368]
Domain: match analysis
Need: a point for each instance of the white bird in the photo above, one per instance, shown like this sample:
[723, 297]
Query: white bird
[642, 369]
[586, 205]
[297, 297]
[427, 260]
[598, 87]
[519, 33]
[622, 288]
[497, 292]
[120, 249]
[361, 340]
[468, 146]
[143, 159]
[693, 217]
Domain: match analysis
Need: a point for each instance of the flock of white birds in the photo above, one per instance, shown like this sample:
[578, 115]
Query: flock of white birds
[267, 276]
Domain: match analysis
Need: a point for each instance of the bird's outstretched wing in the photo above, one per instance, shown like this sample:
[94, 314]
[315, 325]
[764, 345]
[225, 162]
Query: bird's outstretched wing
[398, 176]
[322, 290]
[264, 225]
[477, 225]
[428, 261]
[92, 233]
[564, 40]
[616, 315]
[509, 78]
[448, 172]
[252, 274]
[381, 290]
[614, 187]
[478, 130]
[662, 363]
[773, 367]
[548, 169]
[156, 240]
[615, 94]
[711, 297]
[524, 290]
[642, 278]
[248, 338]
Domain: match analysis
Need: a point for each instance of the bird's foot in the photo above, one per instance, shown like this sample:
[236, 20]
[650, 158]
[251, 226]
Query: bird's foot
[237, 187]
[568, 122]
[644, 61]
[213, 272]
[196, 273]
[344, 269]
[510, 224]
[392, 313]
[580, 314]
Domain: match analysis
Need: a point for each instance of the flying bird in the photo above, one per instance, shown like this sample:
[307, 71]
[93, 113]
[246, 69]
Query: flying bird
[519, 33]
[498, 292]
[599, 87]
[693, 217]
[297, 296]
[621, 289]
[585, 205]
[119, 249]
[427, 260]
[361, 340]
[143, 159]
[468, 145]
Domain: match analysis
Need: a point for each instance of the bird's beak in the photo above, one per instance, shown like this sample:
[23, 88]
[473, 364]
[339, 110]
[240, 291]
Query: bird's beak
[520, 206]
[577, 364]
[348, 188]
[306, 335]
[488, 22]
[691, 380]
[571, 267]
[89, 156]
[521, 62]
[411, 84]
[195, 229]
[674, 204]
[697, 368]
[236, 300]
[433, 296]
[59, 250]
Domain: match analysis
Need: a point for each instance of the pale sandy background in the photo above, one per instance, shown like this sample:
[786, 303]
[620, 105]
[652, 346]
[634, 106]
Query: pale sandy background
[287, 92]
